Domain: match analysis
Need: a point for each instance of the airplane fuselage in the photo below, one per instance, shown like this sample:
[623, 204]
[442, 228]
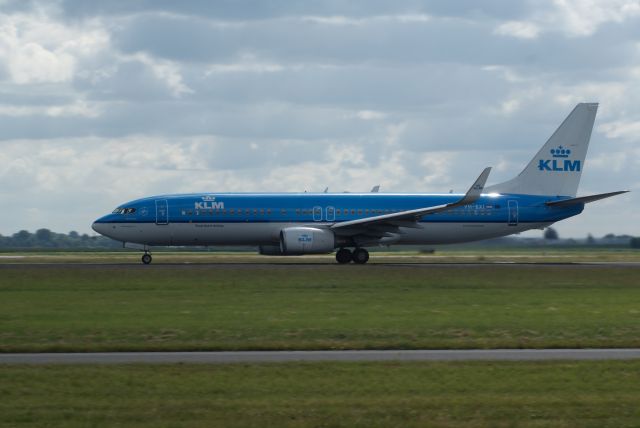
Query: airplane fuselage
[257, 219]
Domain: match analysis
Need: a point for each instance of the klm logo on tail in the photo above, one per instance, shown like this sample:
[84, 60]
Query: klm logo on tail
[560, 163]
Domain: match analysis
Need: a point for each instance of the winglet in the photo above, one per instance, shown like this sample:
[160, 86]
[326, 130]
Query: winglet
[475, 191]
[375, 189]
[412, 216]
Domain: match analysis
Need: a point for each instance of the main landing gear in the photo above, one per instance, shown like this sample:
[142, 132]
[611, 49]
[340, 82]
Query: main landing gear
[359, 256]
[146, 258]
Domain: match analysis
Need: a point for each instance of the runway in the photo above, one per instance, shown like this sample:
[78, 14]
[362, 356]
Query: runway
[306, 265]
[320, 356]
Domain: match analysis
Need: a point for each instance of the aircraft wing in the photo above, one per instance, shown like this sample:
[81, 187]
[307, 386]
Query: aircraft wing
[583, 199]
[410, 218]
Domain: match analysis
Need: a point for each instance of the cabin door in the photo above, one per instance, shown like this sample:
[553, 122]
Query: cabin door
[331, 214]
[513, 212]
[162, 211]
[317, 213]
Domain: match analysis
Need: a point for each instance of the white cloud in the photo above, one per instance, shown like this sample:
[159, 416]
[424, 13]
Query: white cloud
[508, 73]
[575, 18]
[519, 29]
[165, 71]
[583, 17]
[621, 129]
[370, 115]
[37, 49]
[340, 20]
[247, 64]
[78, 108]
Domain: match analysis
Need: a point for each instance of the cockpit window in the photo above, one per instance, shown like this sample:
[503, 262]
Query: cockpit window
[124, 211]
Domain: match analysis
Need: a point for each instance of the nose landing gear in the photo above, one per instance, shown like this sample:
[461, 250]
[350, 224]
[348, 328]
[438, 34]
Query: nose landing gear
[146, 258]
[359, 256]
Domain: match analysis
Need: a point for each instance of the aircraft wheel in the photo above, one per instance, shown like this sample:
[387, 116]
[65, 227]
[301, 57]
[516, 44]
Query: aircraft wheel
[146, 259]
[360, 256]
[343, 256]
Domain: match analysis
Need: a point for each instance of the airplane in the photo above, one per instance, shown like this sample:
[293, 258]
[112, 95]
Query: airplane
[286, 224]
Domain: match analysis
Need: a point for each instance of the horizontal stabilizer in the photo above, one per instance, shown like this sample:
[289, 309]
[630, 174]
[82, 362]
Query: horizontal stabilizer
[584, 199]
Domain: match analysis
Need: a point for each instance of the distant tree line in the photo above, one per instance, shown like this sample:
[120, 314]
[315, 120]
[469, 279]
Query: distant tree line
[46, 239]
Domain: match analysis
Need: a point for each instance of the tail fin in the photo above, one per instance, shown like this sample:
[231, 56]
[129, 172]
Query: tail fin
[557, 167]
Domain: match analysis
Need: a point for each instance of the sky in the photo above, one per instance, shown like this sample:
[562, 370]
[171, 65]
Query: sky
[102, 102]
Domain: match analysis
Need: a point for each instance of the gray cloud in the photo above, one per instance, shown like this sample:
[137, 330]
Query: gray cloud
[143, 97]
[243, 10]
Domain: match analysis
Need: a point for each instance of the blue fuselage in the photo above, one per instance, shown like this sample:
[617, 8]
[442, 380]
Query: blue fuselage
[255, 218]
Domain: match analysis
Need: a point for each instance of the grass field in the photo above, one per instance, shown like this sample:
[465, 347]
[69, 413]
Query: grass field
[236, 307]
[507, 394]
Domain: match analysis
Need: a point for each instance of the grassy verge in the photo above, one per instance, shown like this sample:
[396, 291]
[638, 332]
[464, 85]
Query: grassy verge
[316, 307]
[586, 394]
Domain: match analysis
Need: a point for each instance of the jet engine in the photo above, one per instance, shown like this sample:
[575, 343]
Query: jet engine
[306, 240]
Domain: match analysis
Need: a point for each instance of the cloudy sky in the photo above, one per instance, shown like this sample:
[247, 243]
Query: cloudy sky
[106, 101]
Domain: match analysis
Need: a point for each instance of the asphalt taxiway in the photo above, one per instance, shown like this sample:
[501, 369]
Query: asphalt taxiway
[303, 265]
[319, 356]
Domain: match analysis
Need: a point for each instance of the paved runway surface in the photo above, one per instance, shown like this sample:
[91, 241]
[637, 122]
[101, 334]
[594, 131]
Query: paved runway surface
[303, 265]
[310, 356]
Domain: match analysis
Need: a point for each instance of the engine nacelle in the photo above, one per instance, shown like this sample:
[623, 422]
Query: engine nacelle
[306, 240]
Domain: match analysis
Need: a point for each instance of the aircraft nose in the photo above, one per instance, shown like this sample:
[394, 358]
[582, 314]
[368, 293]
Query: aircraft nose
[99, 227]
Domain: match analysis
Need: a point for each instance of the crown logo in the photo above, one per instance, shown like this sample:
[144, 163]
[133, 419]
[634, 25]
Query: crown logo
[560, 152]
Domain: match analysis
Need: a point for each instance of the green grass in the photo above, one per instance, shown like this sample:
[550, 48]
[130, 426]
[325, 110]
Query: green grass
[236, 307]
[506, 394]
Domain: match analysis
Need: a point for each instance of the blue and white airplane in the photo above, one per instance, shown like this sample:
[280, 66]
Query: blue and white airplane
[316, 223]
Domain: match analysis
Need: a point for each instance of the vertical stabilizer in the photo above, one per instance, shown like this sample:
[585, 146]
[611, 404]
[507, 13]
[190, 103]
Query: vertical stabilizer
[556, 169]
